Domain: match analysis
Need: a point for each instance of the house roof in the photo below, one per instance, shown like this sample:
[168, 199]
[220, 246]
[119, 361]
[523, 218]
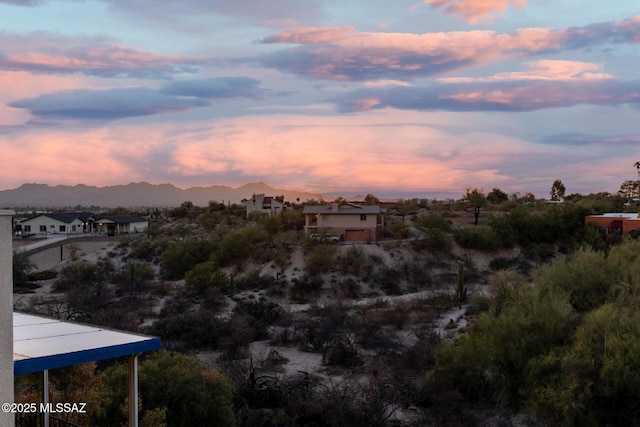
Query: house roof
[68, 217]
[122, 219]
[633, 216]
[41, 343]
[65, 217]
[348, 209]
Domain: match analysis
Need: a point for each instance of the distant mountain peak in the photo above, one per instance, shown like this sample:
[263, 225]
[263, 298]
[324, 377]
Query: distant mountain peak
[136, 194]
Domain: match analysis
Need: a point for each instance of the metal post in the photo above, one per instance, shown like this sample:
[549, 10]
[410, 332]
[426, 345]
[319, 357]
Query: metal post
[45, 396]
[133, 390]
[7, 419]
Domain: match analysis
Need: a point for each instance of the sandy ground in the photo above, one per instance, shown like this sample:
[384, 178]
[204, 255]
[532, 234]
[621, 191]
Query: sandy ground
[293, 359]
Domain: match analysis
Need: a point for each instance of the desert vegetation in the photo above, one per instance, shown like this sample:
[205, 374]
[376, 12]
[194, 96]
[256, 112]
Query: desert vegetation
[526, 317]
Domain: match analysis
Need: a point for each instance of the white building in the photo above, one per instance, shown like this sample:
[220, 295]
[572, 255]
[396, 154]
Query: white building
[261, 203]
[75, 223]
[56, 223]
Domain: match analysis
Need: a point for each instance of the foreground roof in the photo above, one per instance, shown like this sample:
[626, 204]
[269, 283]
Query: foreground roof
[348, 209]
[41, 343]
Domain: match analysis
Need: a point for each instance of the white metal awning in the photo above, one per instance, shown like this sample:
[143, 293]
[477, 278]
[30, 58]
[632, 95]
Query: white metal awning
[41, 343]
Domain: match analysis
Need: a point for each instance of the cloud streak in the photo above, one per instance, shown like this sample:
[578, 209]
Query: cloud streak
[120, 103]
[496, 96]
[44, 53]
[474, 11]
[344, 54]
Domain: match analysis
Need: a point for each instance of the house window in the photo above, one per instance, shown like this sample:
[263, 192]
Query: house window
[73, 228]
[26, 228]
[363, 217]
[63, 228]
[43, 228]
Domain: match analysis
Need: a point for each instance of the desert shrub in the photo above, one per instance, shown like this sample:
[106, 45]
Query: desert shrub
[439, 241]
[255, 280]
[342, 351]
[502, 263]
[584, 275]
[188, 330]
[389, 280]
[305, 287]
[315, 329]
[397, 229]
[566, 346]
[320, 259]
[43, 275]
[135, 276]
[480, 237]
[597, 381]
[526, 226]
[435, 240]
[348, 287]
[22, 266]
[205, 276]
[83, 273]
[182, 256]
[262, 313]
[353, 260]
[432, 222]
[538, 252]
[490, 364]
[238, 245]
[147, 248]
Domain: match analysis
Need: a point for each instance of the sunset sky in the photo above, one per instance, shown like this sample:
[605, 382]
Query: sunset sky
[412, 98]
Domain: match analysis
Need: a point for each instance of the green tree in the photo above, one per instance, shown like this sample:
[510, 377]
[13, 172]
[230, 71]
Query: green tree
[496, 196]
[22, 266]
[182, 256]
[629, 189]
[170, 383]
[370, 199]
[206, 276]
[557, 190]
[475, 199]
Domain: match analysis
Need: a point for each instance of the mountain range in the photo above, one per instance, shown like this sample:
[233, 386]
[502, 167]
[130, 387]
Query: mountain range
[137, 194]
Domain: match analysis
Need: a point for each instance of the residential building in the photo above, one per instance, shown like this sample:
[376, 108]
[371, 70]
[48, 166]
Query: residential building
[616, 223]
[265, 204]
[76, 223]
[350, 221]
[119, 224]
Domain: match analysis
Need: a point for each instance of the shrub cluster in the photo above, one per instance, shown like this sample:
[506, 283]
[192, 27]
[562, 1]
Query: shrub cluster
[565, 346]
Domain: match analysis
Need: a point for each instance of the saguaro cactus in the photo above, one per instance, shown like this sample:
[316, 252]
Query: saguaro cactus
[461, 289]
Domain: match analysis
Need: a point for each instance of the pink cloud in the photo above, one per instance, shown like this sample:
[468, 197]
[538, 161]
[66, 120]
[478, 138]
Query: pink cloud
[343, 53]
[557, 70]
[45, 53]
[312, 35]
[474, 11]
[376, 151]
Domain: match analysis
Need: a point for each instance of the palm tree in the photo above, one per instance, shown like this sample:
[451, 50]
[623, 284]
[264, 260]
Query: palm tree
[637, 166]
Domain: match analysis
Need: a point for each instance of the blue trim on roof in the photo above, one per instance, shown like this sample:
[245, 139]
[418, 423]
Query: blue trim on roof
[38, 364]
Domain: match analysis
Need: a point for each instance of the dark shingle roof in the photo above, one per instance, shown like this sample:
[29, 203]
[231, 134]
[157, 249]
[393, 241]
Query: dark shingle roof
[342, 210]
[122, 219]
[67, 217]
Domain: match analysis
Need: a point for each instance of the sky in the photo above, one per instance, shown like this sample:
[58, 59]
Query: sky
[415, 98]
